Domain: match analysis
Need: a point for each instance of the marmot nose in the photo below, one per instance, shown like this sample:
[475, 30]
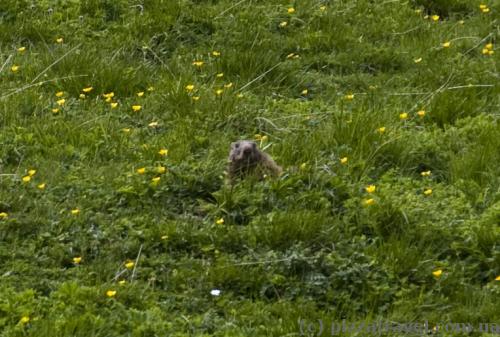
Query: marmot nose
[247, 151]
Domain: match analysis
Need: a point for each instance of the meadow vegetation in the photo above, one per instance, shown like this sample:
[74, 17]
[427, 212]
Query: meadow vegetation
[116, 119]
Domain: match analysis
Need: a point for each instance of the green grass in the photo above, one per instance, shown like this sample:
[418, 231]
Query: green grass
[303, 246]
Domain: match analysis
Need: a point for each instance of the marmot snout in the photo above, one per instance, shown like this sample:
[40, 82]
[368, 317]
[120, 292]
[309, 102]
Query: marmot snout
[245, 158]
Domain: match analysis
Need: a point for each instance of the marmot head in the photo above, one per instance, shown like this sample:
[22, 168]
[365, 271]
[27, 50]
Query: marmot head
[244, 151]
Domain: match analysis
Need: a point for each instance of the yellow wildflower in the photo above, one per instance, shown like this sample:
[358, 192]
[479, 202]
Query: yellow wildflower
[421, 113]
[428, 191]
[215, 53]
[219, 92]
[55, 110]
[109, 95]
[82, 96]
[322, 8]
[446, 44]
[291, 10]
[425, 173]
[136, 107]
[283, 24]
[87, 90]
[31, 172]
[150, 88]
[141, 170]
[61, 102]
[303, 166]
[497, 278]
[60, 94]
[153, 124]
[155, 181]
[126, 130]
[369, 202]
[304, 92]
[489, 46]
[14, 68]
[41, 186]
[163, 152]
[219, 75]
[161, 169]
[239, 95]
[195, 98]
[198, 63]
[370, 188]
[113, 105]
[483, 6]
[437, 273]
[26, 179]
[75, 211]
[4, 215]
[130, 265]
[140, 94]
[59, 40]
[417, 60]
[108, 100]
[77, 259]
[435, 18]
[220, 221]
[403, 116]
[122, 282]
[21, 49]
[190, 87]
[24, 320]
[381, 129]
[343, 160]
[349, 97]
[228, 85]
[111, 293]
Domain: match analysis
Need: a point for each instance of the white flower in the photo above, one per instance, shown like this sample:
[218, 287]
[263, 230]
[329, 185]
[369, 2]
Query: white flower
[215, 292]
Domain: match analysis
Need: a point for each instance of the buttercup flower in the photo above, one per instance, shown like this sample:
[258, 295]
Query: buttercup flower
[75, 211]
[291, 10]
[163, 152]
[219, 75]
[41, 186]
[283, 24]
[425, 173]
[59, 40]
[417, 60]
[141, 170]
[14, 68]
[113, 105]
[87, 90]
[219, 92]
[215, 53]
[198, 63]
[21, 49]
[437, 273]
[370, 188]
[161, 169]
[4, 215]
[368, 202]
[31, 172]
[77, 259]
[140, 94]
[381, 129]
[129, 265]
[403, 116]
[220, 221]
[136, 107]
[421, 113]
[446, 44]
[435, 18]
[428, 191]
[26, 179]
[190, 87]
[349, 97]
[304, 92]
[59, 93]
[111, 293]
[61, 102]
[343, 160]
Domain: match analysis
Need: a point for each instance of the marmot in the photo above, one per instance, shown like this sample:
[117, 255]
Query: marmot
[245, 158]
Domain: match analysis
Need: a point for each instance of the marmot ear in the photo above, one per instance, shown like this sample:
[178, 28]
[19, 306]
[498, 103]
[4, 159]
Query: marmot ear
[233, 144]
[254, 145]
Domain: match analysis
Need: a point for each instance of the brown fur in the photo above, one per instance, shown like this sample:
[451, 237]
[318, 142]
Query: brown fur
[245, 159]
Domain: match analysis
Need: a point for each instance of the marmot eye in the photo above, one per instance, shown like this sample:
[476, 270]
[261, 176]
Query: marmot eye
[237, 145]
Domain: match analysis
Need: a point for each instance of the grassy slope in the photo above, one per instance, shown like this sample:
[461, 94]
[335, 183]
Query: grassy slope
[303, 246]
